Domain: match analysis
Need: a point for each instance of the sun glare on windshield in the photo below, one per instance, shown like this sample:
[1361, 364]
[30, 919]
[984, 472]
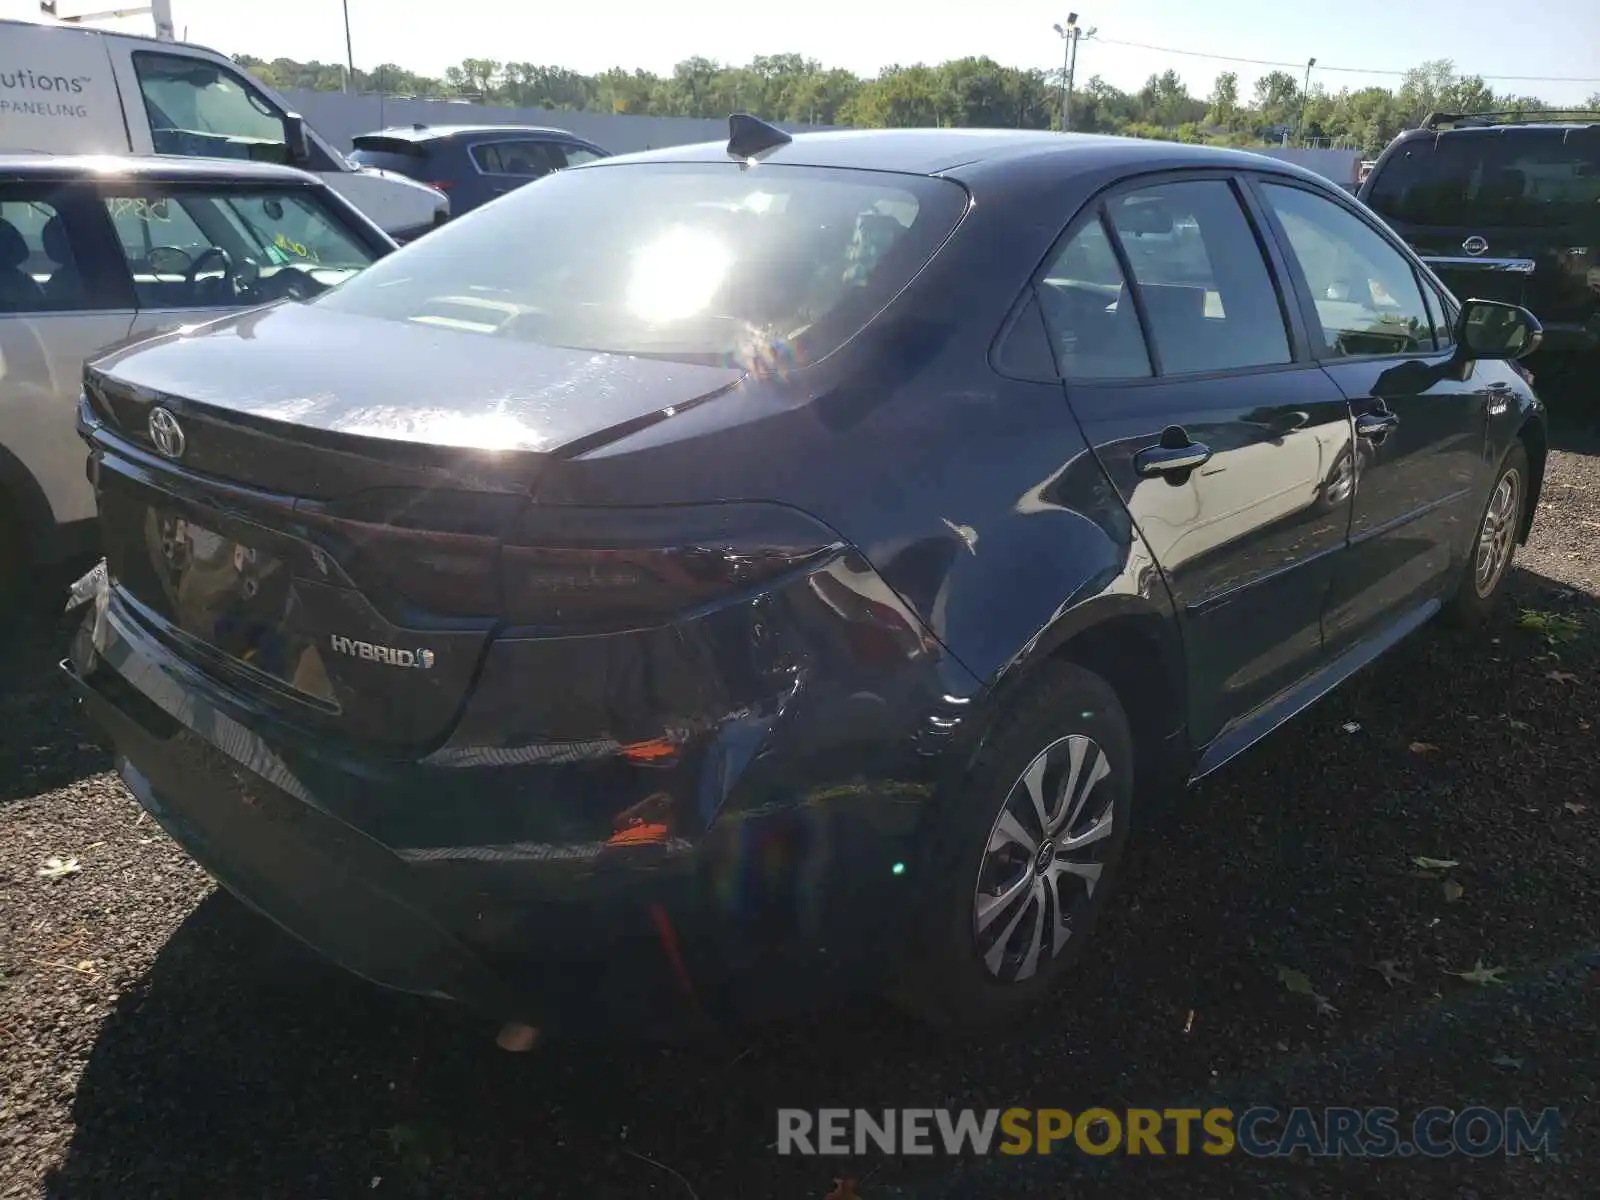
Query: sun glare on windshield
[677, 275]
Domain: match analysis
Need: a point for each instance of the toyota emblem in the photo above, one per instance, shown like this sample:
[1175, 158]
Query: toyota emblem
[166, 433]
[1474, 245]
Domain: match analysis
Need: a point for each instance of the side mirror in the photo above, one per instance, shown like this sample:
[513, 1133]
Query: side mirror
[1489, 329]
[298, 147]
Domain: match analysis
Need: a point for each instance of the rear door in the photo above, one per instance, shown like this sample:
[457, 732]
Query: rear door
[1421, 415]
[1191, 377]
[62, 299]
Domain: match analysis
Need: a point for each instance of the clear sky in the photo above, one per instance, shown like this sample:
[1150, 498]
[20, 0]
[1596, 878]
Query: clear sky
[1487, 37]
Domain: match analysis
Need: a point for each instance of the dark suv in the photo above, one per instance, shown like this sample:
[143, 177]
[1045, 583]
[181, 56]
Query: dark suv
[1506, 207]
[472, 164]
[791, 570]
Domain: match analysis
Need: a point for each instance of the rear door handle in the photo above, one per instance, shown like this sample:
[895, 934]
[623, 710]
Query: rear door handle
[1375, 424]
[1166, 460]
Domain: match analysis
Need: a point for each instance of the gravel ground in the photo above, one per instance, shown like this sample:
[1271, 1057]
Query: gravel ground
[156, 1040]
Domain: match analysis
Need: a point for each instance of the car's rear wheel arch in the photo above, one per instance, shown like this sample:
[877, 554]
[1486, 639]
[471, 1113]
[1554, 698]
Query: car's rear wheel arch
[1135, 648]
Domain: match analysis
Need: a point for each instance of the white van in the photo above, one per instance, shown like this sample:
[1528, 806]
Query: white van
[65, 90]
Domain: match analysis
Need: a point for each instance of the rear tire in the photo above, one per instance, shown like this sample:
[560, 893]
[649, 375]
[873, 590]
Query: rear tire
[1494, 544]
[1026, 856]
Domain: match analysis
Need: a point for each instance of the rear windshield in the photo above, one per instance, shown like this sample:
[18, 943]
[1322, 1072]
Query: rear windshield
[699, 262]
[387, 154]
[1513, 177]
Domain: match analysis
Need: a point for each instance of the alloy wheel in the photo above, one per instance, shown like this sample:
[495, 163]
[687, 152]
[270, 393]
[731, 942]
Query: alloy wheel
[1497, 538]
[1044, 858]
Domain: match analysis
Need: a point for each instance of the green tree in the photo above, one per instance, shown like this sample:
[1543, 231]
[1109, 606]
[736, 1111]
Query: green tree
[1224, 109]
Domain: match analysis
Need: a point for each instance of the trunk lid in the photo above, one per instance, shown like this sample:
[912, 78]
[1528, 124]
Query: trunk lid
[325, 537]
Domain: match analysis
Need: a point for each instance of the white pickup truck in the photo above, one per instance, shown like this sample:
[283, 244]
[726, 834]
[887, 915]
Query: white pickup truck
[66, 90]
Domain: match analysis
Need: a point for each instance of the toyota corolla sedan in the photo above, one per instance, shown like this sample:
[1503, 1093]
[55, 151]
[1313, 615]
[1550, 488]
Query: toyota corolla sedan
[790, 572]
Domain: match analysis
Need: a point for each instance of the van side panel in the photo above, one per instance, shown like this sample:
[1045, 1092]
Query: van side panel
[58, 94]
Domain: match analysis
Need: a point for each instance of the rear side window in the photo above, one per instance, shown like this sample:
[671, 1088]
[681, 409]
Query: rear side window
[1537, 177]
[1091, 319]
[576, 156]
[703, 262]
[1210, 301]
[527, 159]
[38, 266]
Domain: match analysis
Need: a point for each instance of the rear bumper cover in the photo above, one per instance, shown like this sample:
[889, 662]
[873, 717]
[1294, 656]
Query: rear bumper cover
[401, 872]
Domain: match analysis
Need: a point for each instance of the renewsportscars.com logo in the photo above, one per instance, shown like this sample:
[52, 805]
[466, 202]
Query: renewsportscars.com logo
[1259, 1132]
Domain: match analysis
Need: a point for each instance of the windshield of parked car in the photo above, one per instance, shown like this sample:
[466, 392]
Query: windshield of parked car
[1513, 176]
[699, 262]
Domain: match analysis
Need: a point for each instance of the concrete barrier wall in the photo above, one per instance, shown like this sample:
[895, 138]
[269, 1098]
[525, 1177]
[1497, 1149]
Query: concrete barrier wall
[339, 118]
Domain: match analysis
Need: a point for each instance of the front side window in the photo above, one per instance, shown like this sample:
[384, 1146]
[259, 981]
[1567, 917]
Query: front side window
[38, 265]
[199, 109]
[713, 262]
[223, 247]
[1367, 296]
[1204, 284]
[1091, 320]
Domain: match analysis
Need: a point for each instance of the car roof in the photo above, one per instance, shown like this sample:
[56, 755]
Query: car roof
[429, 133]
[159, 169]
[962, 153]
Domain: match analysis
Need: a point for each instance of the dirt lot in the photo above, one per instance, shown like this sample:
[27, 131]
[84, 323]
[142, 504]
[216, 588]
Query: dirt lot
[158, 1041]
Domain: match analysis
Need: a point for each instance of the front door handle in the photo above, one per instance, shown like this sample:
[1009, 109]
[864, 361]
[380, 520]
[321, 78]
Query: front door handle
[1375, 424]
[1167, 460]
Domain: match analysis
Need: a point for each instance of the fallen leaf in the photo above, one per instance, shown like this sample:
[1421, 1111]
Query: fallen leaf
[1325, 1007]
[1297, 982]
[1506, 1061]
[1576, 809]
[1453, 891]
[55, 867]
[1434, 864]
[1482, 975]
[1561, 676]
[1424, 748]
[843, 1189]
[1352, 726]
[1518, 726]
[1391, 973]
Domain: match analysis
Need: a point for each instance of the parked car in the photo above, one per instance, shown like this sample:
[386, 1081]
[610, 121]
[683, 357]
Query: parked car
[1506, 206]
[783, 578]
[85, 91]
[472, 164]
[97, 251]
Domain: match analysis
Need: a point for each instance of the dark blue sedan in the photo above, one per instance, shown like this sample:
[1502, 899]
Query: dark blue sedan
[795, 569]
[472, 164]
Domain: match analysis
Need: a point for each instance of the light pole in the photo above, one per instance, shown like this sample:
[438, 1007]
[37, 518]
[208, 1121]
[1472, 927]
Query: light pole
[1305, 98]
[349, 54]
[1069, 34]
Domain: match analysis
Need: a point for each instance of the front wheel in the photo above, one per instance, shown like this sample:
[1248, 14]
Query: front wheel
[1030, 851]
[1495, 543]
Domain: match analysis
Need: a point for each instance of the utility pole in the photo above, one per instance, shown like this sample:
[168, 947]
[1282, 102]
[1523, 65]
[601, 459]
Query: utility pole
[1305, 100]
[1069, 33]
[349, 54]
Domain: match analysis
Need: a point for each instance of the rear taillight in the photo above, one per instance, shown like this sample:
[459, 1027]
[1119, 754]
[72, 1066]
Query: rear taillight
[604, 567]
[444, 185]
